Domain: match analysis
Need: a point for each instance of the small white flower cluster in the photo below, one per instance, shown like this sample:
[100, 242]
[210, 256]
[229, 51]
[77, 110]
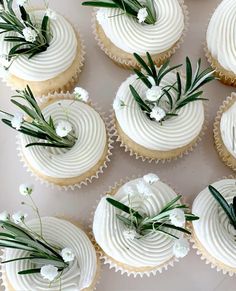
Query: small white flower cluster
[154, 93]
[4, 62]
[143, 189]
[181, 247]
[101, 16]
[63, 128]
[51, 14]
[26, 189]
[30, 34]
[17, 120]
[157, 113]
[81, 94]
[142, 15]
[118, 104]
[177, 217]
[21, 2]
[151, 178]
[50, 272]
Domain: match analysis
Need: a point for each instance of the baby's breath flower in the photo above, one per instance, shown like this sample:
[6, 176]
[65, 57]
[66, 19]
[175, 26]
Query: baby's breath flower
[181, 247]
[142, 15]
[143, 189]
[26, 189]
[177, 217]
[63, 128]
[67, 255]
[19, 217]
[154, 93]
[118, 104]
[30, 34]
[4, 216]
[130, 234]
[81, 94]
[157, 113]
[49, 272]
[151, 178]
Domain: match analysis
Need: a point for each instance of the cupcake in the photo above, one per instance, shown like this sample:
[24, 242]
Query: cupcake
[140, 226]
[39, 48]
[158, 113]
[65, 141]
[46, 253]
[122, 28]
[214, 233]
[221, 40]
[225, 132]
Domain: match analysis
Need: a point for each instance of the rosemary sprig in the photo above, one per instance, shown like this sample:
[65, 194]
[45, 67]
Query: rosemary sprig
[129, 7]
[229, 209]
[34, 123]
[160, 222]
[173, 96]
[29, 38]
[40, 253]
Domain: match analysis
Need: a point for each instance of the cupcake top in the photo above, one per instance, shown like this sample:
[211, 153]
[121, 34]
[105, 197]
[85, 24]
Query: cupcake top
[79, 275]
[140, 246]
[228, 129]
[47, 64]
[175, 132]
[221, 35]
[91, 138]
[129, 35]
[158, 108]
[214, 230]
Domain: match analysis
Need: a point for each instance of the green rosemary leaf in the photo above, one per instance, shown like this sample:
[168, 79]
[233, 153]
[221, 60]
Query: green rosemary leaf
[170, 204]
[232, 212]
[125, 220]
[139, 100]
[6, 235]
[43, 144]
[151, 64]
[25, 17]
[44, 26]
[143, 78]
[29, 271]
[189, 73]
[179, 86]
[43, 262]
[107, 4]
[124, 208]
[234, 204]
[50, 249]
[151, 8]
[26, 109]
[51, 122]
[162, 74]
[14, 260]
[223, 203]
[143, 64]
[14, 39]
[191, 217]
[17, 231]
[169, 97]
[10, 244]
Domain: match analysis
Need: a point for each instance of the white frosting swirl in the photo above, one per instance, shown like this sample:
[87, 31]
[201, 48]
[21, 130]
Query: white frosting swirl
[228, 129]
[174, 133]
[55, 60]
[80, 274]
[83, 156]
[213, 229]
[221, 35]
[131, 36]
[151, 250]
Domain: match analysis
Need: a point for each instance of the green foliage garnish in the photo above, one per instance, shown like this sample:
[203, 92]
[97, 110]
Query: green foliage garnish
[39, 252]
[34, 123]
[23, 45]
[229, 209]
[160, 222]
[173, 96]
[130, 7]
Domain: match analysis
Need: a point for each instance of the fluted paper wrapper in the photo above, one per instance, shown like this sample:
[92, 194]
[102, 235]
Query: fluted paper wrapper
[90, 177]
[226, 77]
[65, 81]
[206, 256]
[140, 152]
[120, 267]
[4, 282]
[126, 60]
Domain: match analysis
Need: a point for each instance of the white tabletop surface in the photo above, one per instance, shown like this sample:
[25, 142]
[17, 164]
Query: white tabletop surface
[188, 175]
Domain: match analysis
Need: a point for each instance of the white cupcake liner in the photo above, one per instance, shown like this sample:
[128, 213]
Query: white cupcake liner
[88, 180]
[205, 256]
[137, 156]
[223, 152]
[74, 80]
[132, 63]
[118, 267]
[94, 285]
